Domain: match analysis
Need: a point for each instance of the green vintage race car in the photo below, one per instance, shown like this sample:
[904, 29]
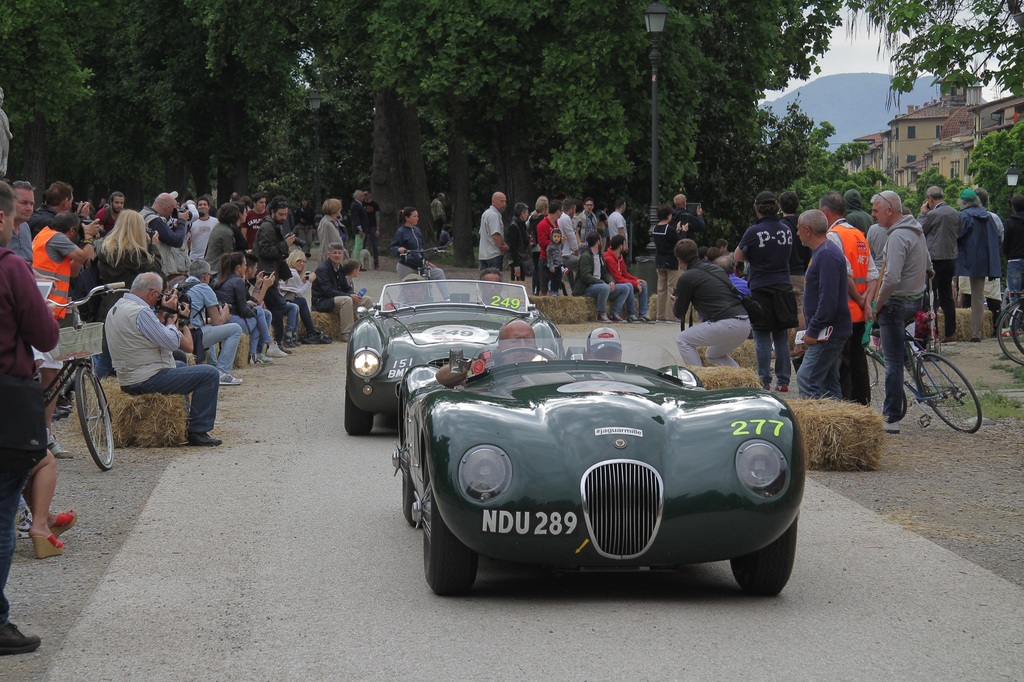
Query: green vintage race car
[419, 323]
[570, 460]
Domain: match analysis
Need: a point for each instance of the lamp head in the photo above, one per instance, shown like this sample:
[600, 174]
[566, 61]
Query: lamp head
[655, 17]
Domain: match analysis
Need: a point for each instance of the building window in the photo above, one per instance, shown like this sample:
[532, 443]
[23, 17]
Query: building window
[954, 168]
[938, 132]
[911, 132]
[911, 158]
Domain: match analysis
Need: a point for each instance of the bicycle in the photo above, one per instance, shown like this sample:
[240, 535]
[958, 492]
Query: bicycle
[1010, 329]
[928, 379]
[76, 347]
[424, 270]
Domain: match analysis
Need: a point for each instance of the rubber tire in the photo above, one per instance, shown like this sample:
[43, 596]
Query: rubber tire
[408, 497]
[448, 565]
[94, 412]
[1012, 317]
[357, 422]
[957, 378]
[765, 572]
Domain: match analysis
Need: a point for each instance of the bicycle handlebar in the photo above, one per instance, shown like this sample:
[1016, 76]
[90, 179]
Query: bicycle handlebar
[113, 287]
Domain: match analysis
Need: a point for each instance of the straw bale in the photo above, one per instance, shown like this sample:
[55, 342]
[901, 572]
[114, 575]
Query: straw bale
[242, 354]
[327, 323]
[715, 377]
[146, 421]
[839, 435]
[566, 309]
[963, 324]
[745, 356]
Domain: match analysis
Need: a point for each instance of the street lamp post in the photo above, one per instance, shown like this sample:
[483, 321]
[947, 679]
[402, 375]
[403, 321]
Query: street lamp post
[655, 17]
[1012, 175]
[314, 104]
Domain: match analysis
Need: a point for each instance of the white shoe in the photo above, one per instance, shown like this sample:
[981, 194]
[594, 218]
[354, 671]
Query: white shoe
[56, 449]
[228, 380]
[273, 351]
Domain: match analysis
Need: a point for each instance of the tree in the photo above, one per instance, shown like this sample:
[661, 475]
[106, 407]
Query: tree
[964, 41]
[991, 157]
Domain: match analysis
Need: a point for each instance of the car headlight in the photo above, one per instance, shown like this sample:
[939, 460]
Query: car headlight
[485, 472]
[761, 467]
[366, 362]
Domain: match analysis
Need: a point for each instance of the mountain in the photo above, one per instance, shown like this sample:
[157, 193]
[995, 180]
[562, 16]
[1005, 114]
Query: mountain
[855, 103]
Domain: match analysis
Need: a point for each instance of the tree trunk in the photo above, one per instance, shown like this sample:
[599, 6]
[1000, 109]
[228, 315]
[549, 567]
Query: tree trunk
[512, 167]
[224, 186]
[462, 211]
[201, 174]
[399, 176]
[34, 154]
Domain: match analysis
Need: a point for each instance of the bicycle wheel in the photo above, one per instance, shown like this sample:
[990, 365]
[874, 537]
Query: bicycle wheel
[876, 373]
[94, 416]
[1010, 332]
[946, 390]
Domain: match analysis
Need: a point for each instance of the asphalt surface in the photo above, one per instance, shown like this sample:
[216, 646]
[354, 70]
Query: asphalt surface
[283, 554]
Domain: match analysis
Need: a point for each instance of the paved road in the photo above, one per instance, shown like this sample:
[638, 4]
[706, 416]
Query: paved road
[290, 560]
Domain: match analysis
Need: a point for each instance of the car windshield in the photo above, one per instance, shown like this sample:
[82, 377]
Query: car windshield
[501, 295]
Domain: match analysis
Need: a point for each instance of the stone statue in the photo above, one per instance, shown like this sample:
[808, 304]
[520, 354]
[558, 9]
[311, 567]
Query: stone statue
[5, 137]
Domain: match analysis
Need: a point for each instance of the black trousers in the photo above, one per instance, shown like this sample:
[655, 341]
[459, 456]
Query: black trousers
[278, 308]
[853, 372]
[942, 285]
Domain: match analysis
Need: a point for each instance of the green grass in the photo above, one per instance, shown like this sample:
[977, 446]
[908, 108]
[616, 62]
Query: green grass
[998, 406]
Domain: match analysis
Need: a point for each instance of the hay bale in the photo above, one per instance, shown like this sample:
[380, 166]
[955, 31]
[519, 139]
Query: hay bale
[146, 421]
[242, 354]
[745, 356]
[567, 309]
[839, 435]
[963, 324]
[327, 323]
[727, 377]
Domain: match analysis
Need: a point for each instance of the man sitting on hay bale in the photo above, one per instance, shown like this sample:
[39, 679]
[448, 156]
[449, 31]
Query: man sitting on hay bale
[141, 344]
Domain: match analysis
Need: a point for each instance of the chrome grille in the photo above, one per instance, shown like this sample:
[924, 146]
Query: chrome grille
[622, 505]
[438, 362]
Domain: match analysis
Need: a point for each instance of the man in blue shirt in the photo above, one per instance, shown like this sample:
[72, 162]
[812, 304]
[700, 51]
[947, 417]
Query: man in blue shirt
[210, 316]
[828, 316]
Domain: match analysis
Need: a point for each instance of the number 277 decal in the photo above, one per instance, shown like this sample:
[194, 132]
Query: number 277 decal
[742, 428]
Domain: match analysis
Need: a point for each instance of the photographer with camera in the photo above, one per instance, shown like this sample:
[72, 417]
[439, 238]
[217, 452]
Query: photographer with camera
[272, 247]
[170, 223]
[143, 329]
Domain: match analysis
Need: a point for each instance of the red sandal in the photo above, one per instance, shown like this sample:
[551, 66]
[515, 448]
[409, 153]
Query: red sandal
[64, 522]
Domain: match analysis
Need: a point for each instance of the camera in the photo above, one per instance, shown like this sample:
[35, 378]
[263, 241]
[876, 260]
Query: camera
[301, 243]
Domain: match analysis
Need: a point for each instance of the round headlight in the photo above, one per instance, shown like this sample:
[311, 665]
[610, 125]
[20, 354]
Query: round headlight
[366, 363]
[761, 467]
[485, 472]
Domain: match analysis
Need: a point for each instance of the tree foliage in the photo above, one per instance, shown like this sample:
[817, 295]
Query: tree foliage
[963, 41]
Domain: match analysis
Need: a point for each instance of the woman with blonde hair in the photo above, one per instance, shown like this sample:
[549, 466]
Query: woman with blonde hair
[122, 255]
[296, 290]
[331, 230]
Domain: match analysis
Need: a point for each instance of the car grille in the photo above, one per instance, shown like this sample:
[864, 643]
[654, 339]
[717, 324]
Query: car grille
[438, 362]
[622, 505]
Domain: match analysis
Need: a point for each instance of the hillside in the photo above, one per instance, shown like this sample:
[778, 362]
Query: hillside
[855, 103]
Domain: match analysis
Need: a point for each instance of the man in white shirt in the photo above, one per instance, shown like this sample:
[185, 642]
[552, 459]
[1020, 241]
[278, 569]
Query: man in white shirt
[199, 234]
[492, 231]
[617, 222]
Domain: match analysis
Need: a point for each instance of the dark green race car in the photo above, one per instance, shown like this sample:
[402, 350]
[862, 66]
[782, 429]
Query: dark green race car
[418, 323]
[573, 462]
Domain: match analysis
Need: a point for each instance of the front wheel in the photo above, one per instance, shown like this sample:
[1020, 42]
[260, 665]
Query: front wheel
[1010, 332]
[448, 565]
[358, 422]
[94, 415]
[766, 571]
[945, 389]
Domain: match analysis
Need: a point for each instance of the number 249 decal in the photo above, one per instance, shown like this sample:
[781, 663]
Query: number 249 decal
[505, 301]
[740, 427]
